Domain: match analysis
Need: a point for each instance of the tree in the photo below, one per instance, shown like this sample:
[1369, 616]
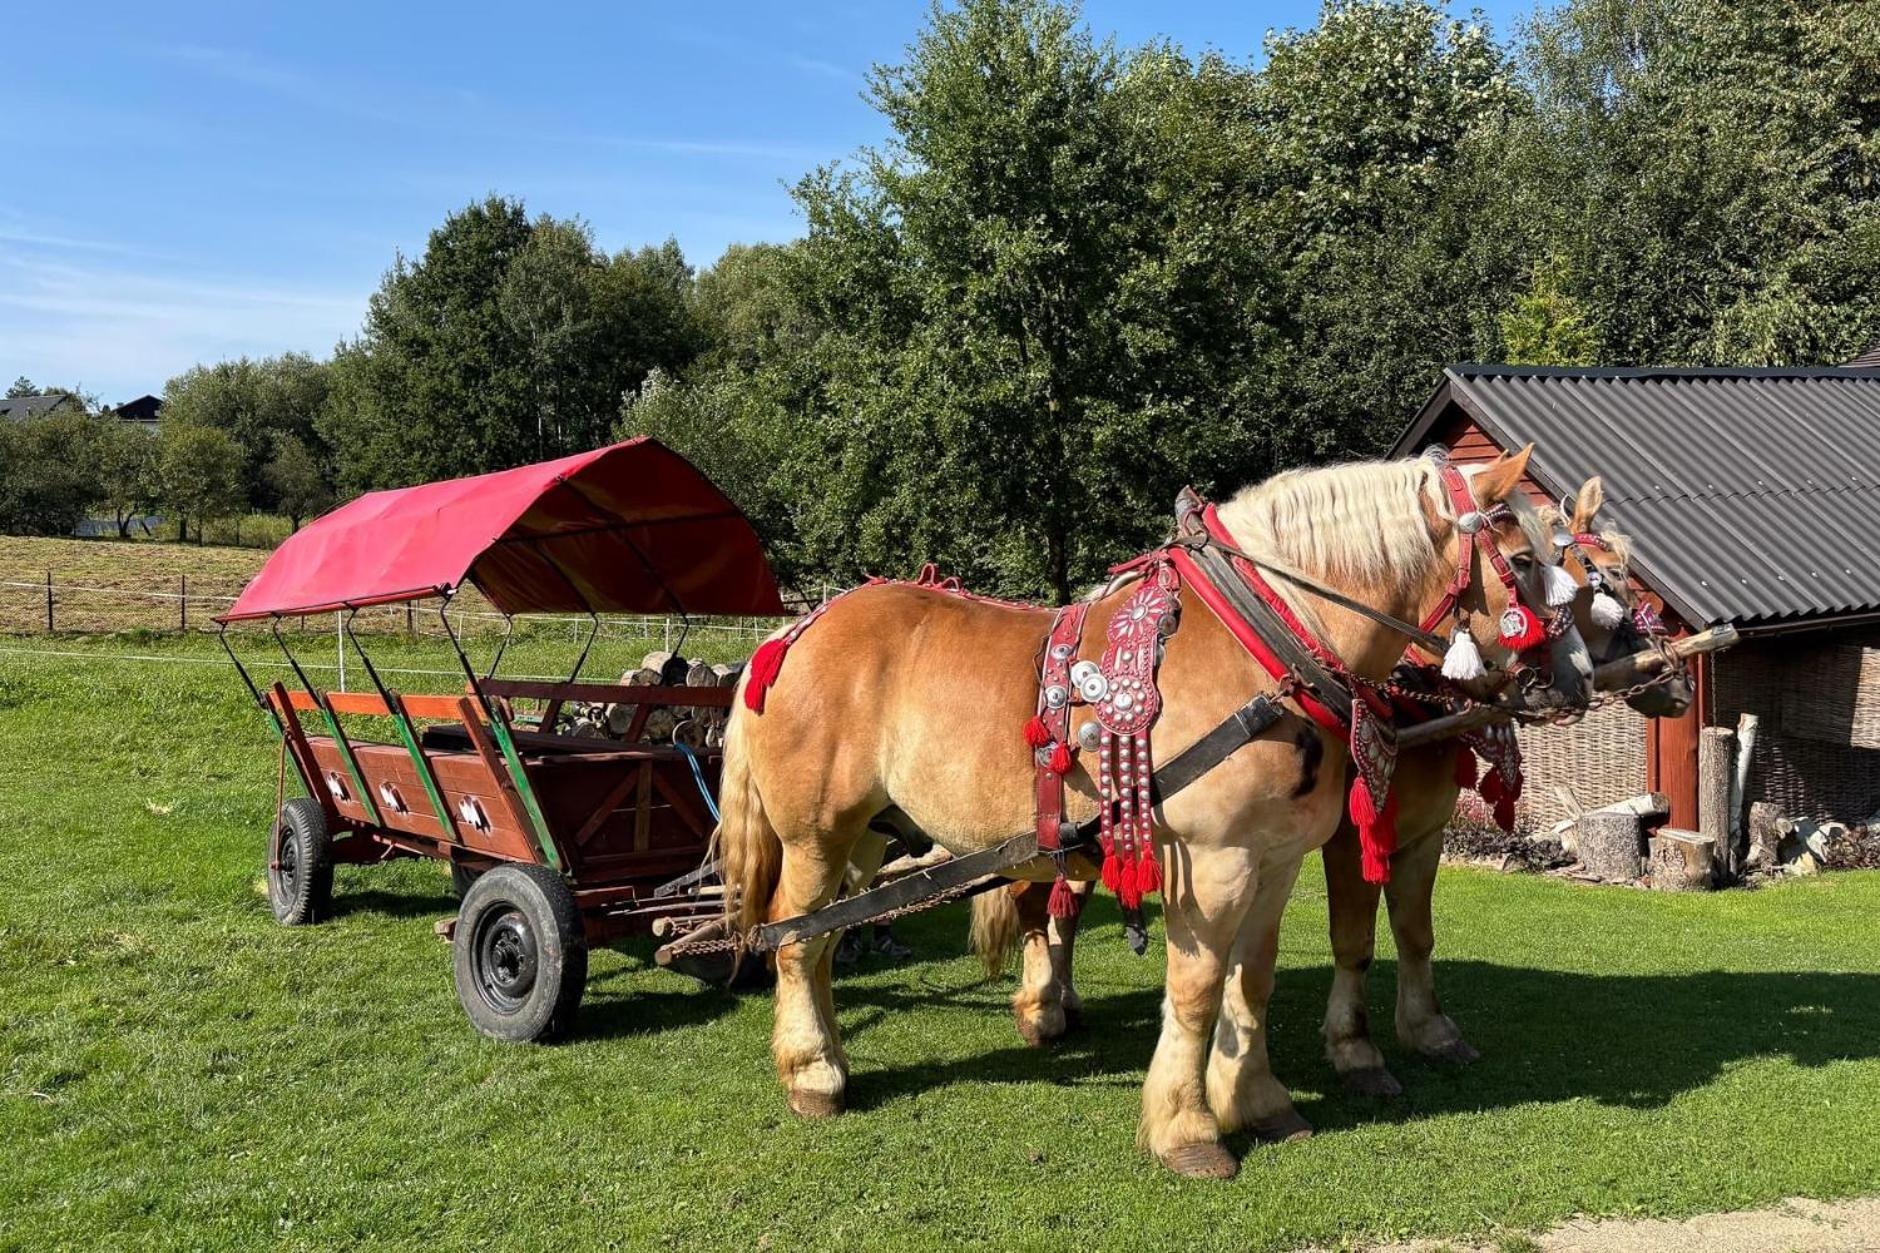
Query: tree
[507, 341]
[46, 481]
[199, 474]
[22, 386]
[1710, 169]
[254, 403]
[126, 471]
[296, 478]
[1018, 298]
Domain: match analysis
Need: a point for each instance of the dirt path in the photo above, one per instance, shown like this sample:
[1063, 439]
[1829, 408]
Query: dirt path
[1793, 1226]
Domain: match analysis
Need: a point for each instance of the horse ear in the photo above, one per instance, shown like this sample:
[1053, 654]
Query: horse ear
[1586, 505]
[1501, 478]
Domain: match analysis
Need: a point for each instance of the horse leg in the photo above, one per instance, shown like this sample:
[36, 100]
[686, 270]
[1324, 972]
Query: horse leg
[1038, 1005]
[1209, 892]
[1421, 1023]
[809, 1055]
[1063, 938]
[1242, 1091]
[1353, 904]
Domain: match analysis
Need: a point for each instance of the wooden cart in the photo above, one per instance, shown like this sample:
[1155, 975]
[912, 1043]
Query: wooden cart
[555, 842]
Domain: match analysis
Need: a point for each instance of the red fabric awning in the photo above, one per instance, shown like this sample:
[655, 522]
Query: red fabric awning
[633, 528]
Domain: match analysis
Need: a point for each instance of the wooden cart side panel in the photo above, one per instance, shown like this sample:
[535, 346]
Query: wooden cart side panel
[460, 777]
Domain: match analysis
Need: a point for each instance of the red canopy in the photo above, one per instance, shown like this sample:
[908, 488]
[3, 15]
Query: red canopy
[633, 528]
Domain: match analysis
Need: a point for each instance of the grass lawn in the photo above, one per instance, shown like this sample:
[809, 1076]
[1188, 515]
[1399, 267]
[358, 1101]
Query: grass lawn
[178, 1071]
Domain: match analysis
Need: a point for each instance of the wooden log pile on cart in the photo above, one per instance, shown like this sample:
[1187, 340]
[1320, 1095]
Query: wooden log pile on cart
[695, 726]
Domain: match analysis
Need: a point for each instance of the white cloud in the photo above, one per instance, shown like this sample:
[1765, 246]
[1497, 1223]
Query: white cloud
[120, 331]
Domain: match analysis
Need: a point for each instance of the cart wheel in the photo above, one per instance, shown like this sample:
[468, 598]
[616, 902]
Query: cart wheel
[461, 877]
[520, 954]
[300, 865]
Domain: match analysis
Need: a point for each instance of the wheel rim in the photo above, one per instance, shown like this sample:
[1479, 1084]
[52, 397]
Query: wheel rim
[287, 863]
[507, 960]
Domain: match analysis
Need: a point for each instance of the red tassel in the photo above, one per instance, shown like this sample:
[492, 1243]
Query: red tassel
[1521, 629]
[1037, 734]
[1061, 759]
[1465, 767]
[1363, 808]
[1504, 814]
[766, 664]
[1128, 890]
[1491, 787]
[1149, 871]
[1377, 843]
[1063, 902]
[1112, 870]
[1513, 789]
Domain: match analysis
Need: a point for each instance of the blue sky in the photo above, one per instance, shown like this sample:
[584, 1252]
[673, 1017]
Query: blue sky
[193, 182]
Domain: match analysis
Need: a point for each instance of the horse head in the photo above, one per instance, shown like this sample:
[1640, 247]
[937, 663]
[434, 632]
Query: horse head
[1612, 617]
[1498, 594]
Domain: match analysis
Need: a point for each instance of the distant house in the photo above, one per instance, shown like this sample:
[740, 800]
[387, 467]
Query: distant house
[21, 408]
[141, 413]
[1752, 497]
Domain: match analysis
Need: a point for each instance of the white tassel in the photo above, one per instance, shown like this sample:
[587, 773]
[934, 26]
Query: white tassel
[1561, 589]
[1607, 612]
[1463, 661]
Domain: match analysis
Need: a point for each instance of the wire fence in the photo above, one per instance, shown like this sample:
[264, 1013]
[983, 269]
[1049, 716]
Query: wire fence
[55, 605]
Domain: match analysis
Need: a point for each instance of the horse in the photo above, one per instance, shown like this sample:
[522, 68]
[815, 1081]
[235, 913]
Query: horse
[1047, 1003]
[1428, 791]
[906, 702]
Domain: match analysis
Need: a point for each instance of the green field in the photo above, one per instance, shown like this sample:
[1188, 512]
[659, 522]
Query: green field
[176, 1071]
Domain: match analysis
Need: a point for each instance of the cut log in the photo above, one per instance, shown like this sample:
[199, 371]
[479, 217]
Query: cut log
[1766, 830]
[699, 674]
[1683, 861]
[1608, 844]
[1716, 766]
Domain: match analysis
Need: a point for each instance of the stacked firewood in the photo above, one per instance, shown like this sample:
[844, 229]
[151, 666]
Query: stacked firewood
[696, 726]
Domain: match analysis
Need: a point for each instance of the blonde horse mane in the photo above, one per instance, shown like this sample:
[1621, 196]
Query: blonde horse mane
[1364, 521]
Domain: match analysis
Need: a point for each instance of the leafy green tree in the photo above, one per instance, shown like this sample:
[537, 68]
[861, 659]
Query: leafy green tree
[46, 480]
[22, 386]
[125, 461]
[297, 479]
[255, 403]
[1012, 295]
[199, 474]
[1709, 170]
[1546, 325]
[507, 341]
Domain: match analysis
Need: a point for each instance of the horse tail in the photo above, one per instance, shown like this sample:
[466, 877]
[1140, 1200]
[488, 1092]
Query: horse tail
[995, 929]
[750, 854]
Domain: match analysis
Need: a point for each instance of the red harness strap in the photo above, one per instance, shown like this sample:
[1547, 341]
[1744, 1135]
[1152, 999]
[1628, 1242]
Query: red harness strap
[1048, 735]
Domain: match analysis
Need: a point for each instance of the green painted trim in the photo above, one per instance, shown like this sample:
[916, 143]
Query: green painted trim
[542, 838]
[407, 733]
[344, 746]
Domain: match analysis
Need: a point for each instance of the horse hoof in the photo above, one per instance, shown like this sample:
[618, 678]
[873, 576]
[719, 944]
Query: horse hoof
[1209, 1160]
[1282, 1128]
[815, 1105]
[1458, 1052]
[1371, 1081]
[1041, 1030]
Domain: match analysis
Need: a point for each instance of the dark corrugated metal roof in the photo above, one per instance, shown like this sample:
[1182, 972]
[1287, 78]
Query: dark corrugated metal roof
[1868, 360]
[1753, 495]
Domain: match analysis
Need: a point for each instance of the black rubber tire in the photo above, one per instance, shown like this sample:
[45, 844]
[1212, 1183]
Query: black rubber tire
[300, 865]
[462, 877]
[520, 954]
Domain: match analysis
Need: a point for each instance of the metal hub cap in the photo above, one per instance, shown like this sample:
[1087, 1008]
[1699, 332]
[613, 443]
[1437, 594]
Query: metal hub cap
[506, 960]
[287, 862]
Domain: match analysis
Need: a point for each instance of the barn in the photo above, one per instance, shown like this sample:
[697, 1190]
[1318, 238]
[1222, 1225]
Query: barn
[1752, 497]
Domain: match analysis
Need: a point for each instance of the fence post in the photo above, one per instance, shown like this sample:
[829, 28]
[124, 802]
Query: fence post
[339, 637]
[182, 603]
[48, 602]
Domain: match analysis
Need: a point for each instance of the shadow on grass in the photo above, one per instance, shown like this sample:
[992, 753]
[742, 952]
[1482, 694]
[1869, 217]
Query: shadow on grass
[393, 904]
[1636, 1041]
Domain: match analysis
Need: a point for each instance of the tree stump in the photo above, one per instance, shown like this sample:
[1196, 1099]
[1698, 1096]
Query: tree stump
[1608, 843]
[1766, 832]
[1682, 861]
[1716, 767]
